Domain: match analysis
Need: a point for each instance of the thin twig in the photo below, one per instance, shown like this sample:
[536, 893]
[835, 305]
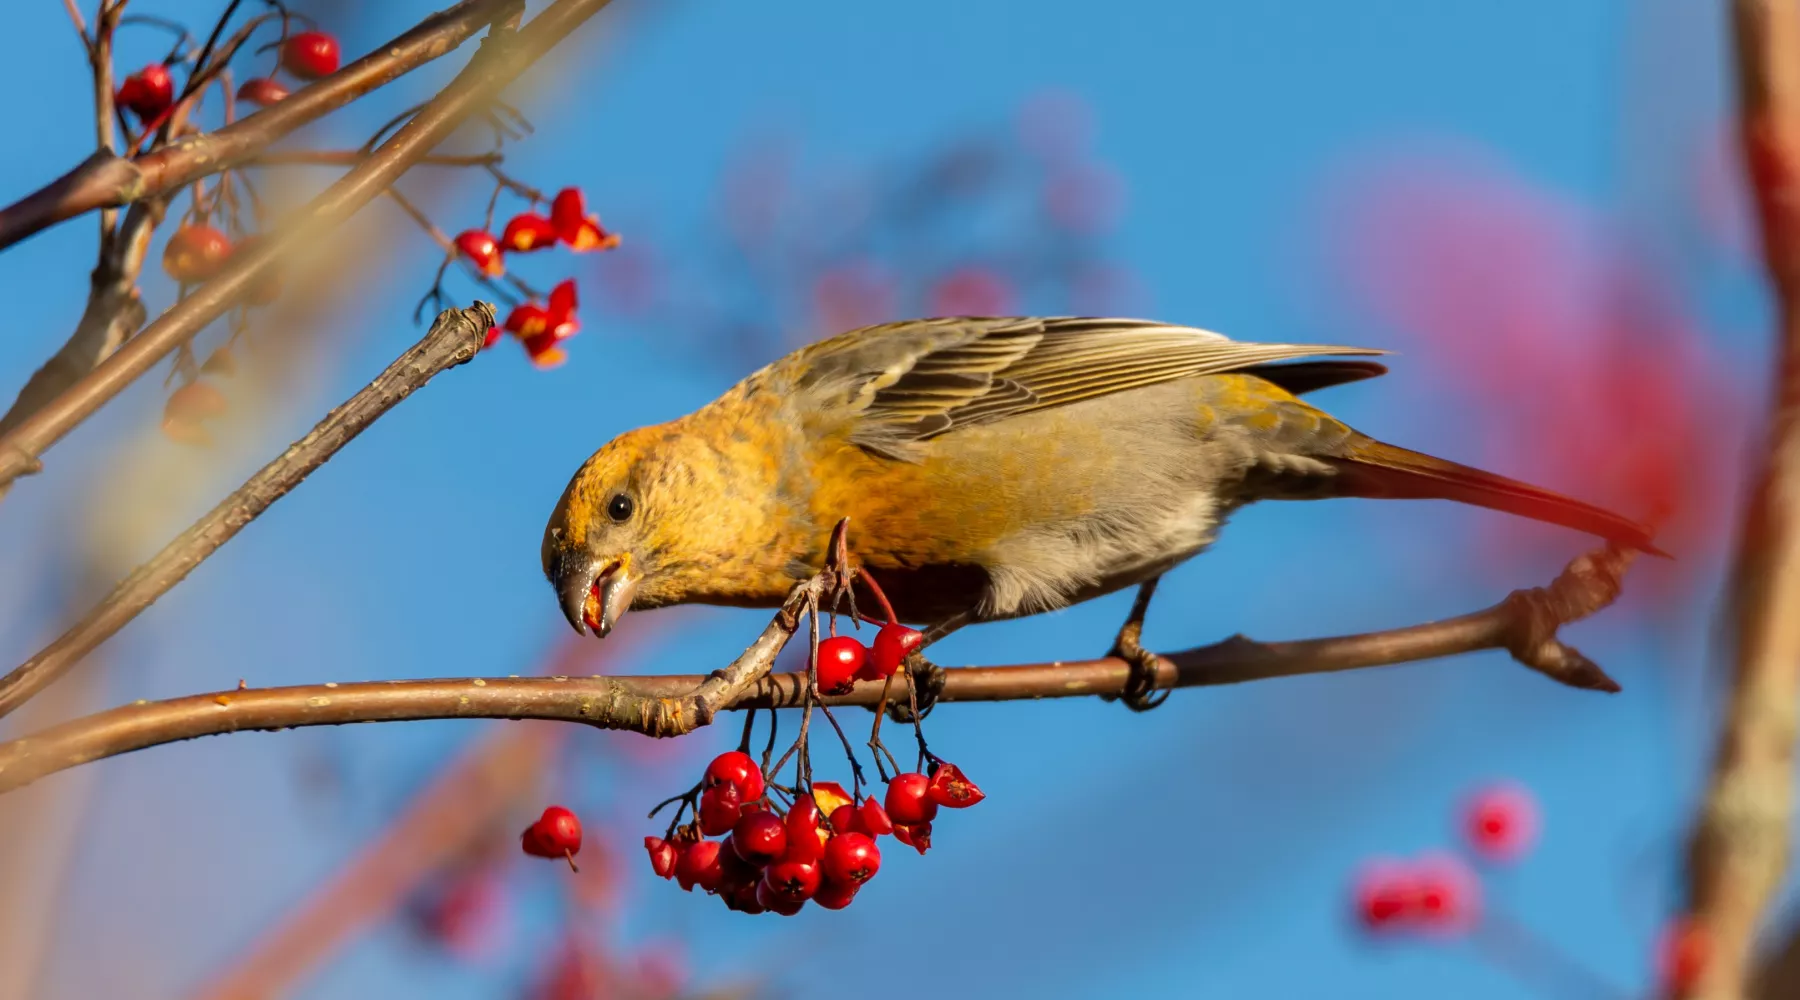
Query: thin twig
[1524, 623]
[500, 61]
[1738, 852]
[453, 339]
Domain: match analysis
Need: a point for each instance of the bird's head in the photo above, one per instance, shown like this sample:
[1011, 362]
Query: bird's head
[604, 538]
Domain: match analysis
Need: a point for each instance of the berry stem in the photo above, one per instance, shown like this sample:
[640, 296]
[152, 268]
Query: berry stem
[570, 857]
[886, 608]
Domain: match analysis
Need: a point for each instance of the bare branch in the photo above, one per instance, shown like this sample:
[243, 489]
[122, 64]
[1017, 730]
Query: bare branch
[105, 180]
[1738, 852]
[453, 339]
[1525, 623]
[501, 61]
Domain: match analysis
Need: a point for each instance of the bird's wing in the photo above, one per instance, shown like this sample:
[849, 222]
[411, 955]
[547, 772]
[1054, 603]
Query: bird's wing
[909, 382]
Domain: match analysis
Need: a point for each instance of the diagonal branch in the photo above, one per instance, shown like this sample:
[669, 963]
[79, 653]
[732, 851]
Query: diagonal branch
[503, 57]
[105, 180]
[1525, 623]
[453, 339]
[1739, 846]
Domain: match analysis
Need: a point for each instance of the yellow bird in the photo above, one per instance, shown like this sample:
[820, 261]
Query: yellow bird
[990, 468]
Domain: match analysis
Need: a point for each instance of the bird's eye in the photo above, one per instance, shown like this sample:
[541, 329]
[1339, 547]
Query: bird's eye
[619, 508]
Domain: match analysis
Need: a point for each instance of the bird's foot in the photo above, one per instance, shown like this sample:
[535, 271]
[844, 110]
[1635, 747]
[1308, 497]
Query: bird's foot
[926, 680]
[1140, 693]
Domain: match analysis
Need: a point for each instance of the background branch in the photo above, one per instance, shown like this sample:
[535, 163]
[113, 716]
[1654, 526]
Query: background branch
[1524, 623]
[454, 338]
[502, 59]
[1738, 851]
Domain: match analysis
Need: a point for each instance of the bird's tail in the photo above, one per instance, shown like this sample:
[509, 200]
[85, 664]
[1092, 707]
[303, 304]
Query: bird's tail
[1369, 468]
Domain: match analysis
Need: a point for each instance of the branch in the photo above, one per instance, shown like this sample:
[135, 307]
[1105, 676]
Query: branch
[1738, 851]
[1525, 624]
[502, 58]
[351, 157]
[105, 180]
[454, 338]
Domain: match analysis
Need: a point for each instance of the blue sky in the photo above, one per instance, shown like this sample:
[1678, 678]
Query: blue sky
[1199, 850]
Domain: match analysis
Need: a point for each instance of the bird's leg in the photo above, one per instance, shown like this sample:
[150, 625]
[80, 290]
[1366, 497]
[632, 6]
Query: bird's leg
[1140, 694]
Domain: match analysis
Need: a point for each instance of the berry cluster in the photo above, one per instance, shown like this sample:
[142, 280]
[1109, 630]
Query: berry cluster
[822, 847]
[1440, 891]
[149, 93]
[539, 323]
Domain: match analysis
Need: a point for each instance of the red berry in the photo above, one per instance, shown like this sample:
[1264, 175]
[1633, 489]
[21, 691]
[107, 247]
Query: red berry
[909, 799]
[892, 644]
[492, 338]
[195, 253]
[769, 898]
[195, 402]
[719, 808]
[852, 857]
[759, 837]
[845, 820]
[262, 90]
[528, 231]
[699, 865]
[482, 250]
[743, 895]
[738, 768]
[148, 92]
[951, 789]
[555, 834]
[834, 895]
[1681, 955]
[1501, 822]
[840, 658]
[1386, 895]
[662, 856]
[310, 55]
[581, 231]
[805, 841]
[1449, 893]
[914, 835]
[874, 819]
[792, 880]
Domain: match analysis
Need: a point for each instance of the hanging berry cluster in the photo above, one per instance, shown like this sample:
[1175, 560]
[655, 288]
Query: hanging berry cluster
[762, 845]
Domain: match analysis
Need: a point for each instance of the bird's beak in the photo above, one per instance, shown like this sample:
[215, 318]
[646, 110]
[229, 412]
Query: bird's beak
[594, 595]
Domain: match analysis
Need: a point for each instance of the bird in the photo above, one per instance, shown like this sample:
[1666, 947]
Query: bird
[990, 468]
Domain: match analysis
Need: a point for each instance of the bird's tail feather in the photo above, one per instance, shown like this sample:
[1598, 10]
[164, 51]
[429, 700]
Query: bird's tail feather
[1370, 468]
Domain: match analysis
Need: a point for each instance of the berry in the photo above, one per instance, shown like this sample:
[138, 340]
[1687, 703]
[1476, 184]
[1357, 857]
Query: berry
[1449, 894]
[738, 768]
[914, 835]
[699, 865]
[743, 896]
[805, 841]
[834, 895]
[219, 362]
[1386, 895]
[528, 231]
[581, 231]
[1501, 822]
[852, 858]
[262, 90]
[719, 808]
[759, 837]
[310, 55]
[195, 253]
[492, 338]
[768, 897]
[909, 799]
[951, 789]
[1681, 954]
[662, 856]
[892, 644]
[195, 402]
[482, 250]
[845, 820]
[793, 881]
[840, 658]
[874, 819]
[148, 92]
[555, 834]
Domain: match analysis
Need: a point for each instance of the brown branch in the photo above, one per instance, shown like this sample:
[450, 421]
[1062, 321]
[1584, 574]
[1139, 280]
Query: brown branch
[351, 157]
[1738, 851]
[106, 180]
[454, 338]
[500, 61]
[1525, 624]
